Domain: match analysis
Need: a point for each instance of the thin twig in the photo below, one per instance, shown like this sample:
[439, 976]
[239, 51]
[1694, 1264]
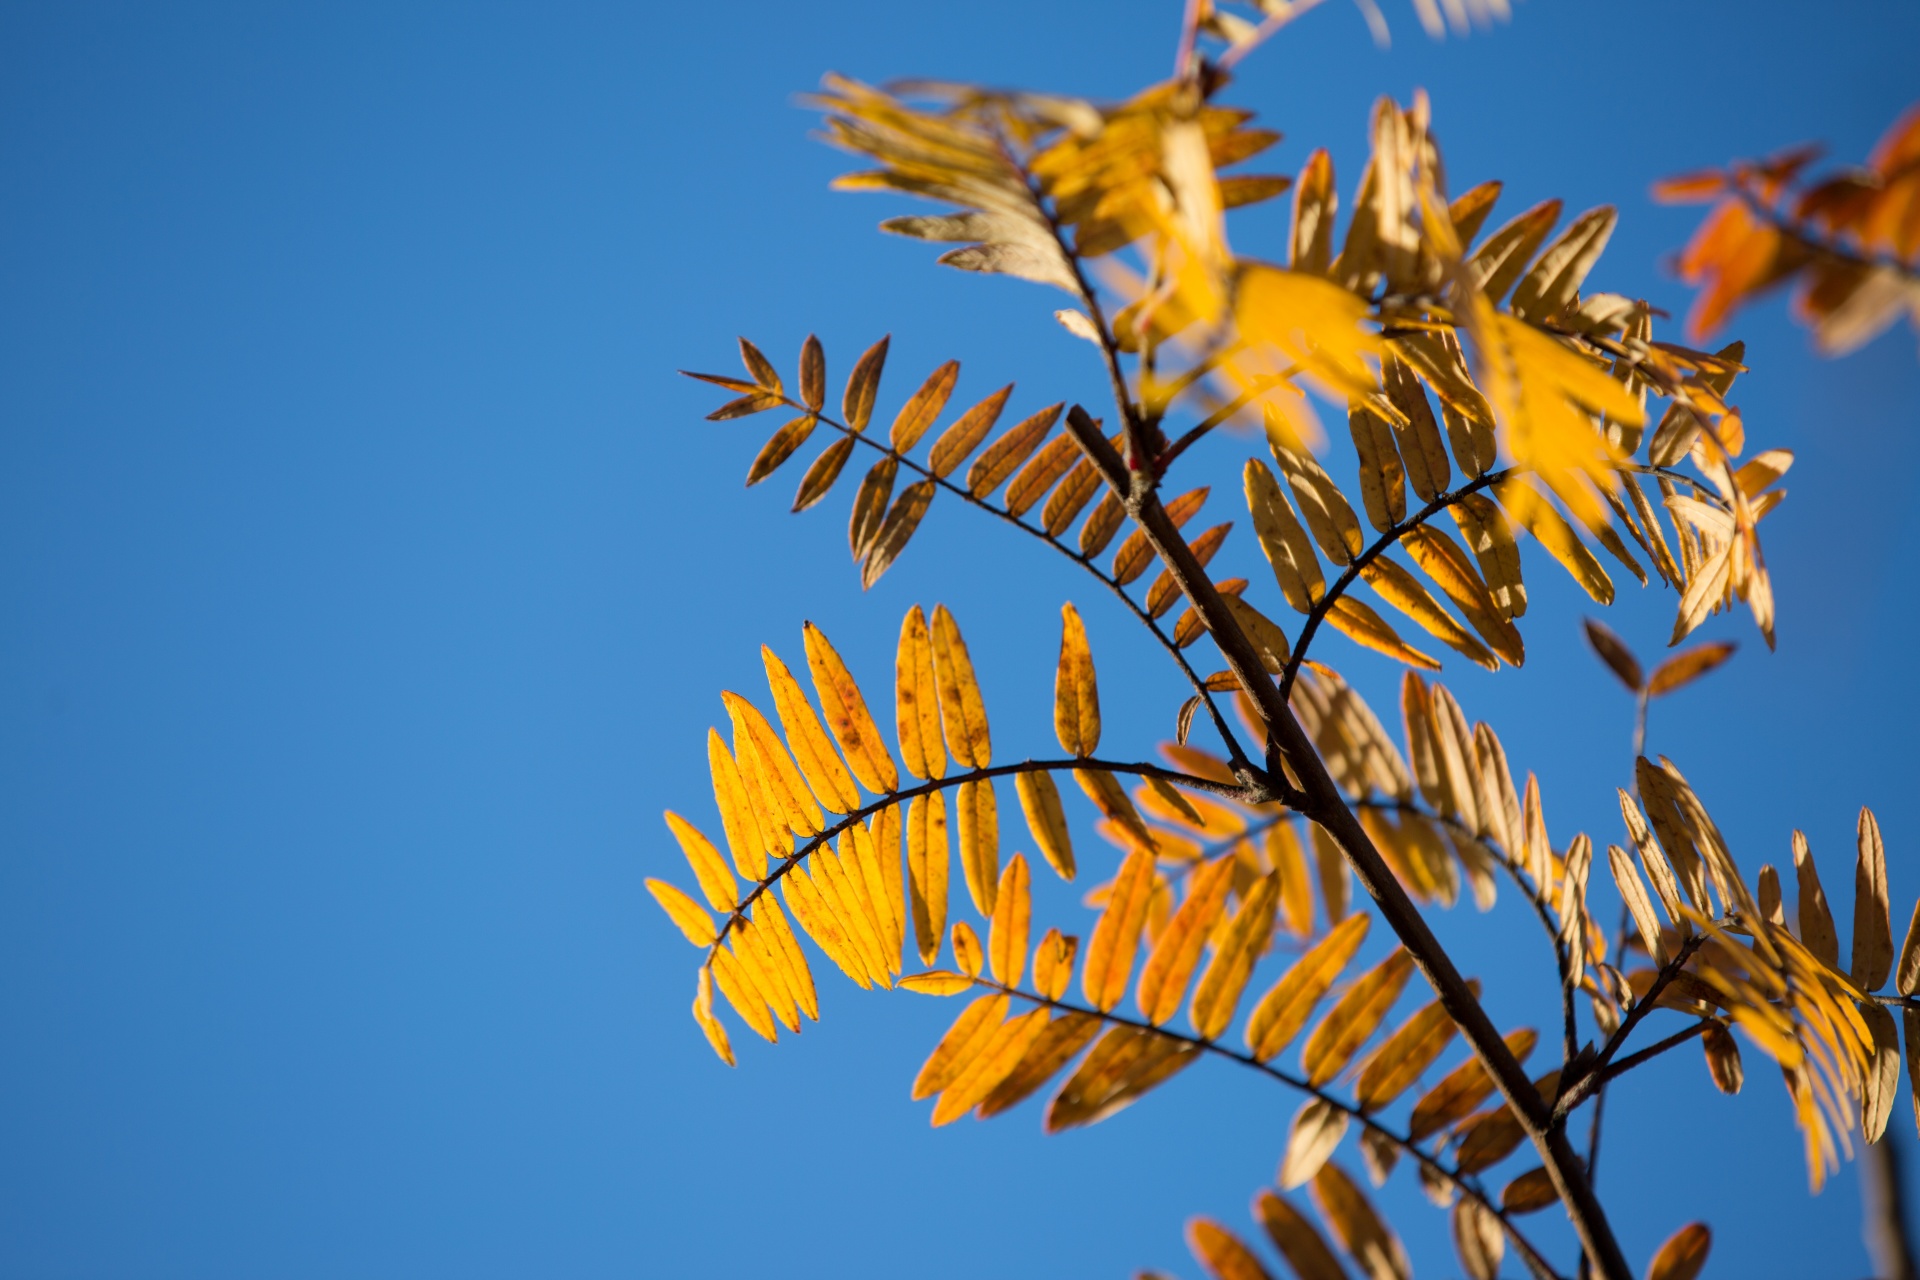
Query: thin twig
[894, 798]
[1325, 603]
[1576, 1091]
[1657, 1048]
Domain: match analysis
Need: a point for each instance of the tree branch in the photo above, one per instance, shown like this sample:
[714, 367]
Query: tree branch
[1576, 1091]
[1535, 1262]
[1321, 800]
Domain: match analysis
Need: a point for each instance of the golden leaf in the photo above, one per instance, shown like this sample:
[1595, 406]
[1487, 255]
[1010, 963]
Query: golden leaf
[1064, 1037]
[1053, 964]
[863, 384]
[1116, 936]
[1383, 489]
[965, 435]
[709, 868]
[1355, 1016]
[961, 708]
[820, 922]
[977, 817]
[1531, 1192]
[1076, 695]
[783, 444]
[1613, 651]
[1283, 539]
[1284, 1010]
[1046, 820]
[1723, 1058]
[901, 521]
[970, 1032]
[991, 1063]
[1816, 919]
[1365, 627]
[1124, 1065]
[1136, 554]
[870, 506]
[1463, 1089]
[1489, 535]
[1001, 457]
[1176, 953]
[819, 764]
[703, 1014]
[738, 813]
[689, 916]
[936, 982]
[916, 700]
[823, 473]
[739, 991]
[1498, 263]
[966, 949]
[768, 915]
[927, 871]
[1038, 476]
[1404, 1057]
[1403, 591]
[924, 406]
[1234, 956]
[1324, 508]
[1012, 918]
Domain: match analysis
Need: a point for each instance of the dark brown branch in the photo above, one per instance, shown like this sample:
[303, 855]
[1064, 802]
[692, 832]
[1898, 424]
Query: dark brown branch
[1577, 1090]
[1529, 1254]
[1320, 799]
[1657, 1048]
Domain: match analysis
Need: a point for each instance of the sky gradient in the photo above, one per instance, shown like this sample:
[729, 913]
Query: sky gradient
[371, 579]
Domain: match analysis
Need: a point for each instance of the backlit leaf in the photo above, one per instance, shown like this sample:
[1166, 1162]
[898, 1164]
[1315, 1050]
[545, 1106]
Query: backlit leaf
[1284, 1010]
[1355, 1016]
[1076, 695]
[1116, 936]
[917, 700]
[961, 708]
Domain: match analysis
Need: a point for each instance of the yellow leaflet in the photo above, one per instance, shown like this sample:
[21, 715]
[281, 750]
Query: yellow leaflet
[864, 865]
[936, 982]
[818, 761]
[773, 921]
[1284, 1010]
[960, 439]
[1111, 798]
[966, 949]
[1405, 1055]
[689, 916]
[991, 1063]
[1012, 918]
[716, 882]
[961, 709]
[703, 1014]
[1176, 952]
[1545, 404]
[1107, 1083]
[766, 972]
[1053, 964]
[1076, 695]
[784, 788]
[1221, 1252]
[1362, 625]
[818, 919]
[884, 826]
[1383, 481]
[847, 716]
[1458, 760]
[927, 860]
[979, 823]
[840, 886]
[1490, 537]
[924, 406]
[1136, 554]
[1443, 560]
[1116, 936]
[972, 1029]
[1463, 1089]
[1046, 820]
[916, 701]
[1288, 549]
[1290, 318]
[1064, 1037]
[1355, 1017]
[1038, 476]
[740, 992]
[1403, 591]
[999, 459]
[737, 811]
[1532, 511]
[1289, 861]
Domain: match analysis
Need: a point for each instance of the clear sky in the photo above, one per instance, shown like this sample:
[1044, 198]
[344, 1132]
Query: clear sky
[370, 579]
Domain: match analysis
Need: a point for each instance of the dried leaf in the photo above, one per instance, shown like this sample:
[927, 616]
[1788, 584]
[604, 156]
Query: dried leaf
[1284, 1010]
[1176, 951]
[1685, 667]
[1076, 694]
[1234, 956]
[863, 384]
[1116, 936]
[1221, 1253]
[890, 539]
[1683, 1255]
[1478, 1239]
[1355, 1017]
[1614, 652]
[1317, 1129]
[924, 406]
[1005, 454]
[1372, 1245]
[1872, 921]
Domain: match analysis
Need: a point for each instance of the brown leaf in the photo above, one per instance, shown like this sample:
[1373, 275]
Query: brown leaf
[1298, 1241]
[863, 384]
[1687, 666]
[1684, 1253]
[1872, 921]
[813, 374]
[1317, 1129]
[1221, 1253]
[1614, 652]
[1373, 1246]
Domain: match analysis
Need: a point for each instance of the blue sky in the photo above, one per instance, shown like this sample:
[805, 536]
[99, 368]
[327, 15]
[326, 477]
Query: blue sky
[371, 580]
